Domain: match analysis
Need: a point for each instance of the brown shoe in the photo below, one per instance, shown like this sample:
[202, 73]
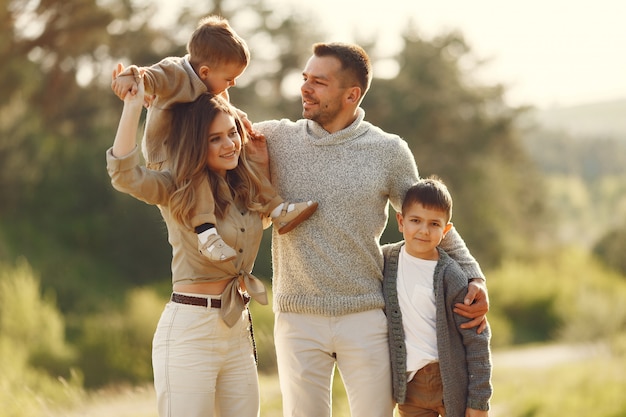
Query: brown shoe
[287, 220]
[215, 249]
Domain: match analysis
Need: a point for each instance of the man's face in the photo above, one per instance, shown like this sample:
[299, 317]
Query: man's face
[323, 90]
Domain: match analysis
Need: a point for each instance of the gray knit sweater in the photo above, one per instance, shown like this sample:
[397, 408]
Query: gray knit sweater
[464, 355]
[332, 263]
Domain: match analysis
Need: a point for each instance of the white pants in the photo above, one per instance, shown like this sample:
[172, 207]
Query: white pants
[309, 346]
[202, 367]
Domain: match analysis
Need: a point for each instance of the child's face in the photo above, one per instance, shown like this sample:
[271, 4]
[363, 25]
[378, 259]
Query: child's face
[423, 229]
[220, 78]
[224, 144]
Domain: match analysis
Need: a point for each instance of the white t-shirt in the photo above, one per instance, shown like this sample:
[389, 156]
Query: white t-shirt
[416, 297]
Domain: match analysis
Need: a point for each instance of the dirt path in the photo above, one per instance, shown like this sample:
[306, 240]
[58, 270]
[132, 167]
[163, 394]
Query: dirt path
[546, 356]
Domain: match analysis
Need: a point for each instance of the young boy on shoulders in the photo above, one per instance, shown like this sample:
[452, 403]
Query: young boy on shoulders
[216, 57]
[437, 367]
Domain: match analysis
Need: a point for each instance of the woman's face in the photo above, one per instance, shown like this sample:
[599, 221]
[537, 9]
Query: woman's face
[224, 144]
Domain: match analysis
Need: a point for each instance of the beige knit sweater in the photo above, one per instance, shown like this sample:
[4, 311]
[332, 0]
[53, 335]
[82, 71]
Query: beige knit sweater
[332, 263]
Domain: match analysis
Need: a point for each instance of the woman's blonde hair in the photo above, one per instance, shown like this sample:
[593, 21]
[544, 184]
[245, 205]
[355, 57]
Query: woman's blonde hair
[187, 149]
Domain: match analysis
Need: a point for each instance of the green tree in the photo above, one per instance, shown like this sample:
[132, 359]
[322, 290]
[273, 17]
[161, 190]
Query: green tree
[611, 248]
[59, 116]
[464, 133]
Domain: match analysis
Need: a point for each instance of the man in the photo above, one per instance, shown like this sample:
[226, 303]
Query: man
[327, 274]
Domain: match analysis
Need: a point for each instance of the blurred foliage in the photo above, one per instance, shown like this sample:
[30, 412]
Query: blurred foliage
[611, 249]
[586, 183]
[587, 211]
[35, 360]
[590, 157]
[465, 134]
[116, 346]
[566, 295]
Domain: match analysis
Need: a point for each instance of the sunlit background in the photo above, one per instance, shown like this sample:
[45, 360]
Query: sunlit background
[547, 53]
[519, 106]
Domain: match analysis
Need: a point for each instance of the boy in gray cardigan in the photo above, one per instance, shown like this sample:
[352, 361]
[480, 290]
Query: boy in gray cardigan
[436, 365]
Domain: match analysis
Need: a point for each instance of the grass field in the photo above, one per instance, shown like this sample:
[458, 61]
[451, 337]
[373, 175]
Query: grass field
[539, 381]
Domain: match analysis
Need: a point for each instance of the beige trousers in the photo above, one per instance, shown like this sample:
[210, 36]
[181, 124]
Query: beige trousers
[309, 346]
[202, 367]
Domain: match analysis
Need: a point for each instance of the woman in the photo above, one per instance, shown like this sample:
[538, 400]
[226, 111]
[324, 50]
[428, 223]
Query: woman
[203, 355]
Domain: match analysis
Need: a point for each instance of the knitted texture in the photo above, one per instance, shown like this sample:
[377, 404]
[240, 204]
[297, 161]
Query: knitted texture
[332, 264]
[464, 355]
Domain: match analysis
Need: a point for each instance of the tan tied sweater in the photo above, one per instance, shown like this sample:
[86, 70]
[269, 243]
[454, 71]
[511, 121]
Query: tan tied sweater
[242, 231]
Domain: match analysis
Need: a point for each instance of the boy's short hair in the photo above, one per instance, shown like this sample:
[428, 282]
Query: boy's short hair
[214, 43]
[353, 59]
[432, 193]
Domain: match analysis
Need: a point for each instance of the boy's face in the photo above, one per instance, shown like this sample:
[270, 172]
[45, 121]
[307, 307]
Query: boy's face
[221, 77]
[423, 229]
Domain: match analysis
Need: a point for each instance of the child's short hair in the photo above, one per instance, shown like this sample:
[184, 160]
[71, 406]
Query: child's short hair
[214, 42]
[432, 193]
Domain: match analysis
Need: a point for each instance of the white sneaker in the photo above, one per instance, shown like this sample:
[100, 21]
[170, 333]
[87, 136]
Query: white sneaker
[211, 245]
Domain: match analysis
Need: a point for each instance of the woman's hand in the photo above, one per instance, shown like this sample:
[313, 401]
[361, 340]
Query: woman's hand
[125, 137]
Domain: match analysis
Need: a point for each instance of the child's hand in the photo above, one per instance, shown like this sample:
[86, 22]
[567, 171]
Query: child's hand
[245, 121]
[243, 116]
[138, 97]
[256, 149]
[123, 84]
[247, 124]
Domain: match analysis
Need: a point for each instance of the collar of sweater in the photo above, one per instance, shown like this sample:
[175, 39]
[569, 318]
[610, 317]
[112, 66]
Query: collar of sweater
[319, 136]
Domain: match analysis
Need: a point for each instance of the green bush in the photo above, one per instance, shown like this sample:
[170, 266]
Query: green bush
[611, 249]
[32, 347]
[567, 295]
[116, 347]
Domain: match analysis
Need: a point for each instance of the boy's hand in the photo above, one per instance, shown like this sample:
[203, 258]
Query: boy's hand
[123, 84]
[243, 116]
[475, 306]
[256, 150]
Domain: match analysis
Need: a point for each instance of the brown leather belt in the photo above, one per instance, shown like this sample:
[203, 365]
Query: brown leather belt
[195, 301]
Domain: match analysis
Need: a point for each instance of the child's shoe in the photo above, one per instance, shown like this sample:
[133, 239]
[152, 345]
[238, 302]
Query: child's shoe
[213, 247]
[288, 219]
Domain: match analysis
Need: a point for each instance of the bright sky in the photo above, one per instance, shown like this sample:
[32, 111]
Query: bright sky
[547, 52]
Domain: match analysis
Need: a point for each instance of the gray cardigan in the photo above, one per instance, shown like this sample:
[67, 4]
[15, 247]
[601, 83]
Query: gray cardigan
[464, 355]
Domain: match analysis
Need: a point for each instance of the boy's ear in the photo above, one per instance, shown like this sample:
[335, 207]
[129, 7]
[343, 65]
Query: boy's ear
[447, 228]
[400, 220]
[204, 72]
